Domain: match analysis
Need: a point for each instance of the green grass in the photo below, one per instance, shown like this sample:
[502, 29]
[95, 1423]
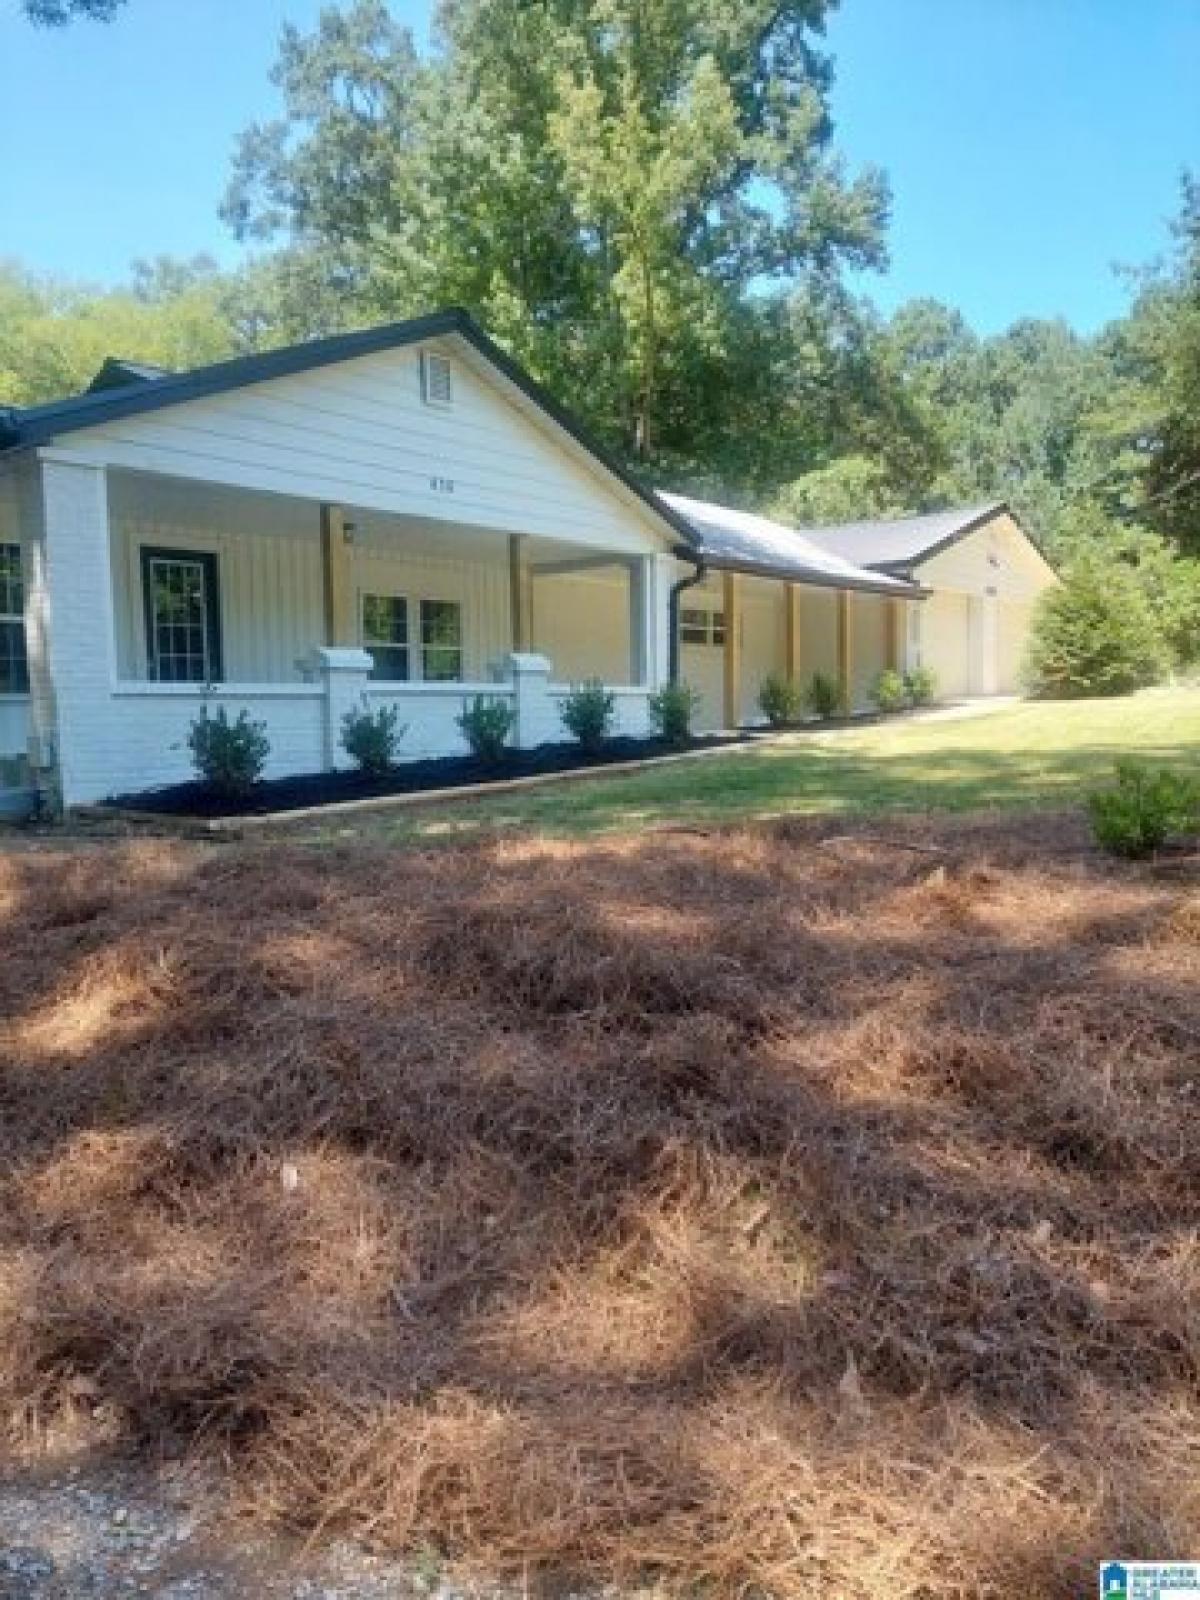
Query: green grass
[1025, 755]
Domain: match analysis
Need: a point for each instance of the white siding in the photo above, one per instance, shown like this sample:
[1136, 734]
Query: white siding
[945, 642]
[581, 621]
[996, 558]
[868, 646]
[761, 626]
[701, 666]
[360, 434]
[817, 628]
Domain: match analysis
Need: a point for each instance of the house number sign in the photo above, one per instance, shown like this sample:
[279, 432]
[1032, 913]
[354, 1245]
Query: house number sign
[442, 485]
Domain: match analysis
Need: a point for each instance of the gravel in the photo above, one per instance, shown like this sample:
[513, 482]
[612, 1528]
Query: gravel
[95, 1535]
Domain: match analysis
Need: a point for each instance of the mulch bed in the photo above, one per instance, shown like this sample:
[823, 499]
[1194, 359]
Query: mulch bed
[196, 799]
[800, 1210]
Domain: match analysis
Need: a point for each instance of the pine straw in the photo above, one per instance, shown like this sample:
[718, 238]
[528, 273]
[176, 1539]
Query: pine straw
[738, 1209]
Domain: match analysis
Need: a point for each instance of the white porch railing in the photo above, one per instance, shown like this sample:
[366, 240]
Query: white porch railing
[143, 744]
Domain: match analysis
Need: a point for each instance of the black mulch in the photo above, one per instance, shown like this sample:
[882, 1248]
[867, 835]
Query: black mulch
[411, 777]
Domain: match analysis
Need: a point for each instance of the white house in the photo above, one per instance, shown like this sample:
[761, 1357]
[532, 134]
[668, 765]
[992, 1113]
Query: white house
[399, 515]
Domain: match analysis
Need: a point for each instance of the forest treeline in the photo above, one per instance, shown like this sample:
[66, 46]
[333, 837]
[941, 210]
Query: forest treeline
[643, 200]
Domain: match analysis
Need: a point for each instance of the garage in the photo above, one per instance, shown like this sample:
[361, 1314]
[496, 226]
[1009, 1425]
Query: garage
[983, 575]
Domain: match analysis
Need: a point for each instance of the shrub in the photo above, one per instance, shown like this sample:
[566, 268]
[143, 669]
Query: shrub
[229, 756]
[1143, 809]
[1093, 634]
[823, 695]
[588, 712]
[920, 684]
[888, 691]
[372, 738]
[780, 700]
[671, 711]
[486, 724]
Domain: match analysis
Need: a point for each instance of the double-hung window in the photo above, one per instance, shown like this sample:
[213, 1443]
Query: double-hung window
[385, 636]
[14, 663]
[433, 653]
[441, 640]
[183, 616]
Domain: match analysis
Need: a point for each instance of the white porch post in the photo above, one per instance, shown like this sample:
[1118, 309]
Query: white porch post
[70, 626]
[642, 620]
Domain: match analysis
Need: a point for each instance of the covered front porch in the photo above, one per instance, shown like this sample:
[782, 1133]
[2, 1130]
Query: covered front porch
[298, 611]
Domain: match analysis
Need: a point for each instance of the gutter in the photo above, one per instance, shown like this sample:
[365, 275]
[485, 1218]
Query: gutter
[681, 552]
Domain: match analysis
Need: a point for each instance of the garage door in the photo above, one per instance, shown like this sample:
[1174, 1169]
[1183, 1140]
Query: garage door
[1012, 634]
[946, 642]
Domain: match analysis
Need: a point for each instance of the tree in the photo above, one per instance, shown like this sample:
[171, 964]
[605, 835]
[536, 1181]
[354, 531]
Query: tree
[54, 336]
[612, 185]
[1094, 634]
[56, 13]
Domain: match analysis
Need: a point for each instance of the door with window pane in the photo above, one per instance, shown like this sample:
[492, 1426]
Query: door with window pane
[182, 616]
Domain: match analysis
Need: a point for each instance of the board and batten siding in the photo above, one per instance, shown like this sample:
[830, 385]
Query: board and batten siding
[270, 581]
[360, 434]
[580, 621]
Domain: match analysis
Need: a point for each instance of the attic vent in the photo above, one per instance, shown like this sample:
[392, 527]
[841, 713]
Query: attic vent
[436, 380]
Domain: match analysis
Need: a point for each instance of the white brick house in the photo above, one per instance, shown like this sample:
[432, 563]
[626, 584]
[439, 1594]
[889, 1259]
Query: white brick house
[399, 515]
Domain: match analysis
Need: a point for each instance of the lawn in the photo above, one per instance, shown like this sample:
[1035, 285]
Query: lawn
[1033, 754]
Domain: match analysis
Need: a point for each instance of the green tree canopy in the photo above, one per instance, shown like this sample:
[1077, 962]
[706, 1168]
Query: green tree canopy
[612, 185]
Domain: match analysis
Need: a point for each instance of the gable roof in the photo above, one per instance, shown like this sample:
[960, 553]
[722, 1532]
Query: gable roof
[739, 541]
[138, 389]
[904, 542]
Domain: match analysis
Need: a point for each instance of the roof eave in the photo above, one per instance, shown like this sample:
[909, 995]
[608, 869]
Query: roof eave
[42, 424]
[900, 589]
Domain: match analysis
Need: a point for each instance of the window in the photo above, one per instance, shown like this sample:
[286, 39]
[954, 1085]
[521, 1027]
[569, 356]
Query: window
[437, 383]
[183, 618]
[698, 626]
[385, 635]
[14, 665]
[441, 640]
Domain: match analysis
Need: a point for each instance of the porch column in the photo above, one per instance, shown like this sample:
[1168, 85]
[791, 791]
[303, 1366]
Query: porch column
[641, 620]
[518, 588]
[845, 652]
[791, 632]
[337, 565]
[730, 589]
[72, 659]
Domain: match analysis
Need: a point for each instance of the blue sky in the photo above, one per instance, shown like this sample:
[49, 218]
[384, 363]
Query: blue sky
[1032, 145]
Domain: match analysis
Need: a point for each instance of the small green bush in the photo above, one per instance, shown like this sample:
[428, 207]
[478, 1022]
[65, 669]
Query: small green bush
[823, 695]
[780, 700]
[920, 683]
[1094, 634]
[588, 712]
[888, 691]
[229, 756]
[671, 711]
[486, 724]
[1143, 809]
[372, 738]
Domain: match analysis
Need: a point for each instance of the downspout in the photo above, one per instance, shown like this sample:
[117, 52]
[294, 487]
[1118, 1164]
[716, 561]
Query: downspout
[682, 553]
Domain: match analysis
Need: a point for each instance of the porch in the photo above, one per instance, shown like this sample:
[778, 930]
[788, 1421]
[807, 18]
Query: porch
[737, 629]
[298, 611]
